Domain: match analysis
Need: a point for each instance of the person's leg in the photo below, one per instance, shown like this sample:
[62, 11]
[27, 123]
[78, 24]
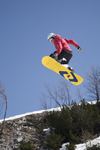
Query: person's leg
[65, 57]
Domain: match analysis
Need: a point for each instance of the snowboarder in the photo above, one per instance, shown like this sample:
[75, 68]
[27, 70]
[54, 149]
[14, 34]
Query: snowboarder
[63, 52]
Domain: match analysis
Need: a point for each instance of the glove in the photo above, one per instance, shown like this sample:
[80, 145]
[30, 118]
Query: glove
[52, 54]
[79, 48]
[55, 56]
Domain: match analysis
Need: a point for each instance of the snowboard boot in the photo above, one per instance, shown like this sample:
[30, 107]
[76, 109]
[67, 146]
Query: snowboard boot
[65, 65]
[71, 69]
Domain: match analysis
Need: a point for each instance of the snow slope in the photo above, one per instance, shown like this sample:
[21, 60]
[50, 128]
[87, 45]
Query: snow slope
[30, 113]
[38, 112]
[83, 146]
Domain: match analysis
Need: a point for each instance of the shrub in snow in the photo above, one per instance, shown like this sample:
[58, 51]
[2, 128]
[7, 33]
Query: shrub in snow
[52, 141]
[26, 146]
[76, 124]
[71, 147]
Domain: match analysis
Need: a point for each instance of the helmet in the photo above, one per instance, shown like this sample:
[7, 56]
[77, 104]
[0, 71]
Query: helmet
[50, 37]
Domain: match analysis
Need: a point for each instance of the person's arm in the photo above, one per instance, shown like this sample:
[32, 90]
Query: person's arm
[72, 42]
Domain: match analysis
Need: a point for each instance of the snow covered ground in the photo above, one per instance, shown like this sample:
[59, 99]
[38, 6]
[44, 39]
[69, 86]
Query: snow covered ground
[36, 112]
[30, 113]
[84, 145]
[78, 146]
[89, 144]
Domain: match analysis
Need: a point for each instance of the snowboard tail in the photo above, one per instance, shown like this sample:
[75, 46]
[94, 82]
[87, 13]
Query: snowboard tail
[61, 70]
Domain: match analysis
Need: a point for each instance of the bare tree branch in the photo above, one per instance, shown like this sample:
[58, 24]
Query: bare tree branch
[3, 101]
[53, 94]
[79, 95]
[93, 82]
[64, 92]
[43, 101]
[59, 94]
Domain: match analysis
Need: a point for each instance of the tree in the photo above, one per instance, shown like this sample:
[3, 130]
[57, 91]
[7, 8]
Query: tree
[93, 83]
[60, 95]
[3, 101]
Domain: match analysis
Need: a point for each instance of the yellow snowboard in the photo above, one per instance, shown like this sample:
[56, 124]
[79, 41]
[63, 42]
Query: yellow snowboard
[58, 68]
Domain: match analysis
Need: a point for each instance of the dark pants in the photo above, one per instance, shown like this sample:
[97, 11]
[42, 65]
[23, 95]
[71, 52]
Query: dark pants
[65, 54]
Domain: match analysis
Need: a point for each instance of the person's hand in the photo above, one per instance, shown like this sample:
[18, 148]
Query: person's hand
[55, 56]
[79, 48]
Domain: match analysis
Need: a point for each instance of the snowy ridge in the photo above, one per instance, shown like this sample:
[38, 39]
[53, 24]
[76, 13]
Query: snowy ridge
[30, 113]
[38, 112]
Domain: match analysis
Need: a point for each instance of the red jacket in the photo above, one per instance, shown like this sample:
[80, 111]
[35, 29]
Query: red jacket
[61, 44]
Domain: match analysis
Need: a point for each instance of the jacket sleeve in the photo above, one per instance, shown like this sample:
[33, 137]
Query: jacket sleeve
[72, 42]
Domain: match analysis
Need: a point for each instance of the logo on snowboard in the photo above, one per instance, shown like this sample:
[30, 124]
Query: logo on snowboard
[68, 76]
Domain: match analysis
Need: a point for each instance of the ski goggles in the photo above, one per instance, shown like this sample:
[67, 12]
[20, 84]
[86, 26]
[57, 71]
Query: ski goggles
[50, 39]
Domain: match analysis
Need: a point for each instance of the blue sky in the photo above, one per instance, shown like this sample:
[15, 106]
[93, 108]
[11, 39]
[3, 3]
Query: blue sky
[24, 27]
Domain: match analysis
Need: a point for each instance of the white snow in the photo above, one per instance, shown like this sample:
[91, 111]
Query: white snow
[78, 146]
[83, 146]
[47, 130]
[30, 113]
[38, 112]
[89, 143]
[64, 146]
